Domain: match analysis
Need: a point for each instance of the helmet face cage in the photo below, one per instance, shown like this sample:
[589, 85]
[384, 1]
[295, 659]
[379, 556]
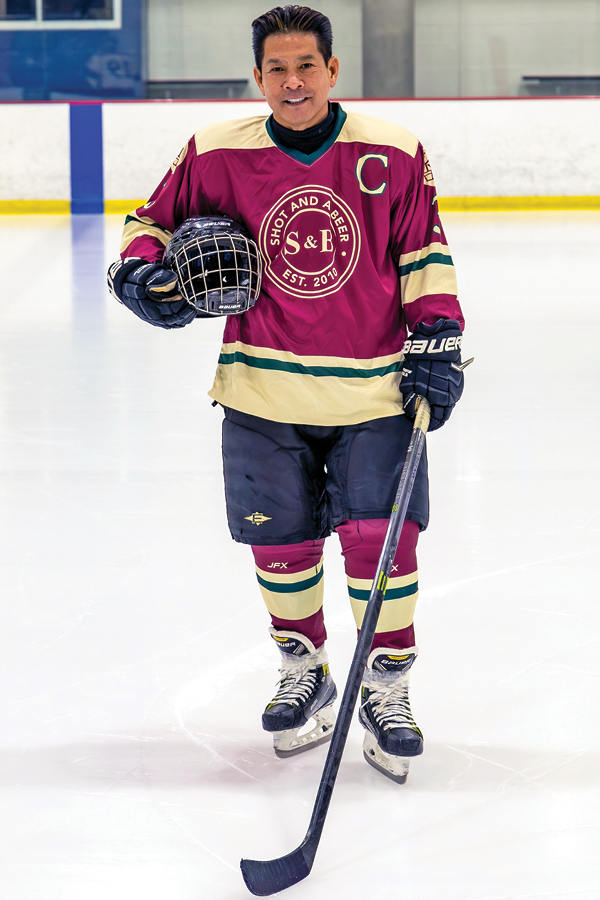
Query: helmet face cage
[219, 269]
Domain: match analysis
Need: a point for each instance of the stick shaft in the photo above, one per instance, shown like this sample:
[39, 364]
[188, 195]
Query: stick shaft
[266, 877]
[367, 631]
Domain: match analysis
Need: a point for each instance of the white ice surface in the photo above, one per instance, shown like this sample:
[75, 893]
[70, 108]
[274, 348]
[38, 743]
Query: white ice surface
[135, 661]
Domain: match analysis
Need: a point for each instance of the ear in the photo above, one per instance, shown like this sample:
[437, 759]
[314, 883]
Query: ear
[259, 80]
[333, 67]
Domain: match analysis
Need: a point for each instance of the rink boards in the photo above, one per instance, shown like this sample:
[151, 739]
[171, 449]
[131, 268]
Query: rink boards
[520, 153]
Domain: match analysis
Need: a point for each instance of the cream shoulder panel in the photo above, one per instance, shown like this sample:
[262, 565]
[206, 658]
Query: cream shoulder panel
[369, 130]
[237, 134]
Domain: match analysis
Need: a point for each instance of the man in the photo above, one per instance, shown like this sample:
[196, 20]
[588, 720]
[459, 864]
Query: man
[343, 208]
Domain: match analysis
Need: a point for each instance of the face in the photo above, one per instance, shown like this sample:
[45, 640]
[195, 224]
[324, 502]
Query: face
[295, 80]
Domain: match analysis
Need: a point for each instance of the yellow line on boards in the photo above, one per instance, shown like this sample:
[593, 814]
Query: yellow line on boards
[447, 204]
[499, 204]
[35, 207]
[122, 206]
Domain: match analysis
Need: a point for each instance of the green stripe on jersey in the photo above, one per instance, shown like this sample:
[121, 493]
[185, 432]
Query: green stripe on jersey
[439, 258]
[151, 224]
[257, 362]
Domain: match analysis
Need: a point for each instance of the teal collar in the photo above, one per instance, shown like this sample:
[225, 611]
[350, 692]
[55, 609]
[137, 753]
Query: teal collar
[309, 158]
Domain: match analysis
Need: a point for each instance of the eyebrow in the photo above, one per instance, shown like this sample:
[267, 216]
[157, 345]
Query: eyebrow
[307, 56]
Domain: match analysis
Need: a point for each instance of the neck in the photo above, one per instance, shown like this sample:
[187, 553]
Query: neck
[310, 139]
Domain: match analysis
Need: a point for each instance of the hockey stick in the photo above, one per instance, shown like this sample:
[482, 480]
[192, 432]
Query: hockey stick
[265, 877]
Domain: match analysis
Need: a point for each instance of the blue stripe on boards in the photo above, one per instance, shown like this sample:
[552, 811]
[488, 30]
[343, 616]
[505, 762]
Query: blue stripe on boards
[87, 181]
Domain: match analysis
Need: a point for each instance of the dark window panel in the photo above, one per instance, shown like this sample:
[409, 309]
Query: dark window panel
[65, 10]
[17, 9]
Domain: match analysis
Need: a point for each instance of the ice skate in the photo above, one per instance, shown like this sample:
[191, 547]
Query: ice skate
[300, 715]
[392, 737]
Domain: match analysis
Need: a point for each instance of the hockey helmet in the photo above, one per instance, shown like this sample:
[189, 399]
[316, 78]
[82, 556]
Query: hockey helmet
[218, 266]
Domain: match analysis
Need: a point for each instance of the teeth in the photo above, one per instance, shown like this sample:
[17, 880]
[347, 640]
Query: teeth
[296, 100]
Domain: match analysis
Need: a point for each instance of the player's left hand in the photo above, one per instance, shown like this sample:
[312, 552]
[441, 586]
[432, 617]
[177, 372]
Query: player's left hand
[432, 370]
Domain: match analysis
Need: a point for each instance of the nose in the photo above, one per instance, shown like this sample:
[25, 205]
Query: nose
[293, 82]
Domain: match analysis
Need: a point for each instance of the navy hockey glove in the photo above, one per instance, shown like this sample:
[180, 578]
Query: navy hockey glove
[431, 361]
[150, 290]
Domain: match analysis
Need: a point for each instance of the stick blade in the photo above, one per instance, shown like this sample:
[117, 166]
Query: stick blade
[266, 877]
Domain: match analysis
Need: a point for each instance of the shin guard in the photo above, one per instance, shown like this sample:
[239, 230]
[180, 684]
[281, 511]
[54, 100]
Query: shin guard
[290, 577]
[361, 541]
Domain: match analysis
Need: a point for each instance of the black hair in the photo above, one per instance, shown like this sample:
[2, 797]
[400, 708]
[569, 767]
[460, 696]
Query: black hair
[291, 19]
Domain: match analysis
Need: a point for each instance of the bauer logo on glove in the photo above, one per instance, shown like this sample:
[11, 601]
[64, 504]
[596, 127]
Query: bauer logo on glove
[432, 370]
[433, 347]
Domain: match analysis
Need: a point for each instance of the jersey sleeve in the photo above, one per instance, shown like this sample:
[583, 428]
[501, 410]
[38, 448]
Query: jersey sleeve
[427, 278]
[147, 229]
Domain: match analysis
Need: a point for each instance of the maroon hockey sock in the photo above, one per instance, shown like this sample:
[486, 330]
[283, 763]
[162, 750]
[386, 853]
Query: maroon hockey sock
[362, 540]
[313, 627]
[276, 567]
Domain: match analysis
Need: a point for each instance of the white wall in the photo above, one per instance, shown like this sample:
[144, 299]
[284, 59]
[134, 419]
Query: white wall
[477, 148]
[497, 148]
[34, 151]
[141, 140]
[211, 39]
[482, 48]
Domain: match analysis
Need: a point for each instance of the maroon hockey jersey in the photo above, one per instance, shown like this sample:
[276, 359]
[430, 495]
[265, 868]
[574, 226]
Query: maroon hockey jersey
[353, 252]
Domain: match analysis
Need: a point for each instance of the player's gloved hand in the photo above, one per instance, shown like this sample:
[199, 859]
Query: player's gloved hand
[431, 369]
[151, 291]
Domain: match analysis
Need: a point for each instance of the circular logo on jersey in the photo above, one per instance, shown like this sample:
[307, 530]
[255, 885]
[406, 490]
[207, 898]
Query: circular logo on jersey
[310, 242]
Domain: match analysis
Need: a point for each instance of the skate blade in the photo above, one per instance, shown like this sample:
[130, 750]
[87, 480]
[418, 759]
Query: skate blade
[393, 767]
[295, 740]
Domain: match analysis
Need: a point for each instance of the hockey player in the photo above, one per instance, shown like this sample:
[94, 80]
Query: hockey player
[343, 208]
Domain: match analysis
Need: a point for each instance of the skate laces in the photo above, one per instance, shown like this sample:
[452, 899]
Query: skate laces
[389, 702]
[298, 682]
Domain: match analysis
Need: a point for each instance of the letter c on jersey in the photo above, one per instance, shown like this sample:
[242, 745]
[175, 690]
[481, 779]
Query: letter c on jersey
[359, 168]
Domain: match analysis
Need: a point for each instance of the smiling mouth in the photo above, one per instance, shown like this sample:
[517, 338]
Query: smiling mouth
[296, 101]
